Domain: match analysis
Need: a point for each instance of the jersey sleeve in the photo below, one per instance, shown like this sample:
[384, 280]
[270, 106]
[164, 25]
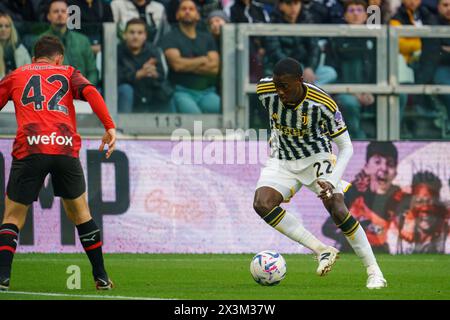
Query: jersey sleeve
[333, 119]
[78, 82]
[264, 89]
[5, 90]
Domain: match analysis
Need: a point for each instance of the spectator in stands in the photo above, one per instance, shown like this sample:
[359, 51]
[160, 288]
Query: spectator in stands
[355, 62]
[413, 14]
[204, 7]
[334, 10]
[142, 75]
[78, 47]
[194, 63]
[12, 53]
[249, 11]
[304, 49]
[435, 60]
[411, 68]
[150, 11]
[216, 19]
[385, 9]
[94, 13]
[20, 10]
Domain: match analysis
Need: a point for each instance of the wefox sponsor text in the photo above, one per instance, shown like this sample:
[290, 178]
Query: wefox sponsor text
[50, 139]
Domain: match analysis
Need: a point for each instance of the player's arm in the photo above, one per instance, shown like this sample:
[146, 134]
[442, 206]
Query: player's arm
[345, 147]
[339, 134]
[82, 89]
[98, 105]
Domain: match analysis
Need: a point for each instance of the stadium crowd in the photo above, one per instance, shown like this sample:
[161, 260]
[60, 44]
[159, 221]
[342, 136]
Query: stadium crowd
[169, 50]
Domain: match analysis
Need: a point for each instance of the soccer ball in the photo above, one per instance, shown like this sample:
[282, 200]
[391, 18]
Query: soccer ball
[268, 268]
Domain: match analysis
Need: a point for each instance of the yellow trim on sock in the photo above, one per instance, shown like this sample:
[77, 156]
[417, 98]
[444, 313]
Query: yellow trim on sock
[277, 220]
[270, 212]
[352, 231]
[345, 220]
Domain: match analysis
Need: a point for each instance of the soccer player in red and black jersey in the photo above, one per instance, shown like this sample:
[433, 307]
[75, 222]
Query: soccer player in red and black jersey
[47, 142]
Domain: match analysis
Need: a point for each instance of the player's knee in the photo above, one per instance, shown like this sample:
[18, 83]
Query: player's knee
[263, 206]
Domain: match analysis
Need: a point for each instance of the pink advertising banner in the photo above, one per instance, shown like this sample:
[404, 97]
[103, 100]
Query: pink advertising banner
[149, 202]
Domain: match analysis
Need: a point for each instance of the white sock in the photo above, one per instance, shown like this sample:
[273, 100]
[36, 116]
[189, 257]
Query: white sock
[291, 227]
[360, 244]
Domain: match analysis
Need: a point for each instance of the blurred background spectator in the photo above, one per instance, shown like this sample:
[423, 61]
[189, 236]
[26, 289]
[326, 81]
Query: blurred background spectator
[12, 53]
[304, 49]
[355, 62]
[20, 10]
[78, 52]
[216, 19]
[334, 9]
[194, 63]
[142, 73]
[150, 11]
[204, 8]
[435, 60]
[385, 9]
[94, 13]
[249, 11]
[411, 13]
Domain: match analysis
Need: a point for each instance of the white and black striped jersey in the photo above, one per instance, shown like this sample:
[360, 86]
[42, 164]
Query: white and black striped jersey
[304, 130]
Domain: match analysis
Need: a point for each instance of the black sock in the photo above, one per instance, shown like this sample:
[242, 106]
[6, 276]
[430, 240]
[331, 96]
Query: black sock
[9, 234]
[92, 243]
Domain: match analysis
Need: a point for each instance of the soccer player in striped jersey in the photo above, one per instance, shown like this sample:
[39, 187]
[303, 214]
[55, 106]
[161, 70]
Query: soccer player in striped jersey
[304, 120]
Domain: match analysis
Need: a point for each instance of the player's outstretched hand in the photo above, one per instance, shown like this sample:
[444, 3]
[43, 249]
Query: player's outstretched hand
[327, 190]
[109, 138]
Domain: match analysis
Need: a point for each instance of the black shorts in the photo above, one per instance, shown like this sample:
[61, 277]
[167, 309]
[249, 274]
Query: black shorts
[27, 176]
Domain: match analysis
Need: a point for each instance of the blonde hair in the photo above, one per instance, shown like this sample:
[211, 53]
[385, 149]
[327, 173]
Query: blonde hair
[12, 41]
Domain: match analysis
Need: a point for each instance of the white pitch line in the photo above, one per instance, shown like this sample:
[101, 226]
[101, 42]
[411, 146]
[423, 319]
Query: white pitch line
[48, 294]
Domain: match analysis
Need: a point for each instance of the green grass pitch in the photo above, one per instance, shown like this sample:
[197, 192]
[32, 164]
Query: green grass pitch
[227, 276]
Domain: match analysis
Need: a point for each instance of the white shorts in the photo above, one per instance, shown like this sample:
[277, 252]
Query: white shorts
[288, 176]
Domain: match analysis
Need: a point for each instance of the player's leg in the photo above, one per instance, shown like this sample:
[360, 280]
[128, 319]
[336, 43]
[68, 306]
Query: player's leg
[25, 181]
[78, 212]
[69, 184]
[356, 237]
[274, 186]
[13, 221]
[267, 204]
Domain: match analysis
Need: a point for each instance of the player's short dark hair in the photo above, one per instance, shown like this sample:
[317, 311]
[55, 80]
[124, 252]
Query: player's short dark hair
[428, 178]
[48, 47]
[136, 21]
[288, 66]
[382, 148]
